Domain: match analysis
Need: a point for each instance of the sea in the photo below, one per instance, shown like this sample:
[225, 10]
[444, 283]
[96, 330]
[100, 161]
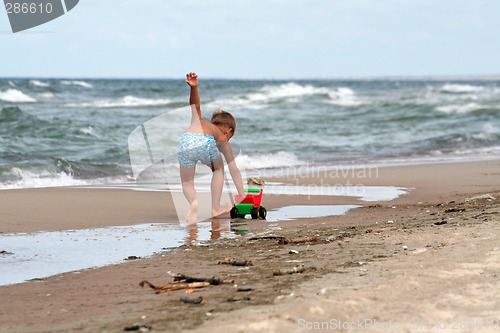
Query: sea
[72, 132]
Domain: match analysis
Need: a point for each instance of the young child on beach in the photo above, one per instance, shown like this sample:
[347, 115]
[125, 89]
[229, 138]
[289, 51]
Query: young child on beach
[204, 141]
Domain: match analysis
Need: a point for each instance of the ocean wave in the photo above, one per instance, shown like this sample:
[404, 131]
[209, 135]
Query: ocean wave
[343, 97]
[460, 88]
[268, 161]
[489, 152]
[488, 133]
[434, 156]
[37, 83]
[23, 123]
[290, 92]
[77, 83]
[25, 131]
[237, 102]
[15, 96]
[29, 179]
[90, 131]
[267, 94]
[9, 114]
[127, 101]
[460, 108]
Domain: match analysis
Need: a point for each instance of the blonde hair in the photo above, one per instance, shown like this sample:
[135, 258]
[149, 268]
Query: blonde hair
[225, 119]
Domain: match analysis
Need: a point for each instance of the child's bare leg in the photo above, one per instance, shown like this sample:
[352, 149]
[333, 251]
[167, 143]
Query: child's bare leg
[187, 178]
[216, 188]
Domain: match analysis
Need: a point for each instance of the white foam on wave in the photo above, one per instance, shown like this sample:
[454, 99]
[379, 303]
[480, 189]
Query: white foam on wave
[77, 83]
[37, 83]
[38, 180]
[15, 96]
[127, 101]
[267, 161]
[488, 132]
[457, 98]
[12, 84]
[46, 178]
[482, 153]
[90, 131]
[460, 88]
[460, 108]
[343, 97]
[290, 92]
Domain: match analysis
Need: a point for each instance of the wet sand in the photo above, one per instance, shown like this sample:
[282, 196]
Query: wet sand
[437, 260]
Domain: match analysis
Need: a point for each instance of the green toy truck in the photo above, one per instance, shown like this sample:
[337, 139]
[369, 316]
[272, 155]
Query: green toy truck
[250, 204]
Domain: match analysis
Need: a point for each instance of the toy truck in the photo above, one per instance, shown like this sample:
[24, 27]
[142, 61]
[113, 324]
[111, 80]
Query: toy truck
[250, 204]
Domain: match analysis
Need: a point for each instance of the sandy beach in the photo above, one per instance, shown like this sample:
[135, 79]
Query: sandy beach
[424, 262]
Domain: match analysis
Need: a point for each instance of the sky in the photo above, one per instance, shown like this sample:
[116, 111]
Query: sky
[257, 39]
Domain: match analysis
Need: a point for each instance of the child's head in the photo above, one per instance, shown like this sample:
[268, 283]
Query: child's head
[225, 121]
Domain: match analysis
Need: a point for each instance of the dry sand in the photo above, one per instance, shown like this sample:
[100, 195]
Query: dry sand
[437, 264]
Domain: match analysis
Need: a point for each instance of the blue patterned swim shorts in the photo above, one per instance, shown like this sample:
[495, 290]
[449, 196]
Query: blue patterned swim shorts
[196, 147]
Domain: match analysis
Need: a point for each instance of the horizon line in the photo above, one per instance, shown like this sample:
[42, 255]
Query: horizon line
[465, 77]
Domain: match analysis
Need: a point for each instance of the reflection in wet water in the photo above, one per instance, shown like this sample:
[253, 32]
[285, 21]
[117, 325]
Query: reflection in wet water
[43, 254]
[239, 228]
[218, 229]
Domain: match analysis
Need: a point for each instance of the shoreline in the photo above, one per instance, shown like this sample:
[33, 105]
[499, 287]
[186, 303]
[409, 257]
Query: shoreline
[50, 209]
[295, 169]
[435, 213]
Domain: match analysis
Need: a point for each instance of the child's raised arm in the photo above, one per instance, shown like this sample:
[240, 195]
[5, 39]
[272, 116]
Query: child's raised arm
[194, 97]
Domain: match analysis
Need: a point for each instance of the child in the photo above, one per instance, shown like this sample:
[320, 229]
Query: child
[204, 141]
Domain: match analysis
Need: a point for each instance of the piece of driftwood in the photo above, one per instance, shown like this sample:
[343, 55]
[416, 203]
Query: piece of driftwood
[173, 286]
[266, 238]
[286, 271]
[132, 258]
[190, 279]
[285, 241]
[139, 328]
[371, 231]
[455, 210]
[229, 261]
[440, 222]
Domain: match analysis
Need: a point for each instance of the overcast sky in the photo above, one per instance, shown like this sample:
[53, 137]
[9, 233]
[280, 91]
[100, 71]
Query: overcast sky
[259, 39]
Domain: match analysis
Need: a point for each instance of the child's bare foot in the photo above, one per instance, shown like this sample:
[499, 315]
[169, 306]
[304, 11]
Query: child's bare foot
[221, 211]
[192, 214]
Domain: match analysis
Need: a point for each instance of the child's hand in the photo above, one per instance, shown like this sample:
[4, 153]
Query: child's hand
[192, 79]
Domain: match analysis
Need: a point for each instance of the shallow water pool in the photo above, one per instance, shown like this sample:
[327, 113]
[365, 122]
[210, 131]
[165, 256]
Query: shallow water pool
[43, 254]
